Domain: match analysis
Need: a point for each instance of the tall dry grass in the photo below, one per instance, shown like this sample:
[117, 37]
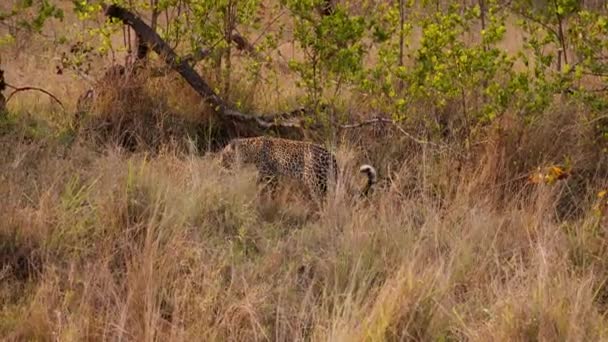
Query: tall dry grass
[108, 245]
[159, 243]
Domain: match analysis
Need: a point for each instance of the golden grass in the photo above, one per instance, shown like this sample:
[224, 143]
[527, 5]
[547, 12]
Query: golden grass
[125, 246]
[97, 243]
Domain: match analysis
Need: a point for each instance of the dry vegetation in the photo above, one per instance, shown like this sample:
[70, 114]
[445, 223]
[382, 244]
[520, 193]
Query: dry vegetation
[104, 244]
[123, 229]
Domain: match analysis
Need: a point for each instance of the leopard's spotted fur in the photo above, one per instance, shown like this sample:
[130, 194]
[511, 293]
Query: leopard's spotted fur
[309, 163]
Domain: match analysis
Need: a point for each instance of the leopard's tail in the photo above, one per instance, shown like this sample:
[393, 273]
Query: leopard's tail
[372, 177]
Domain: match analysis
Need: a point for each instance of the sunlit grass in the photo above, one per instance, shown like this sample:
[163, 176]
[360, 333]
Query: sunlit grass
[173, 247]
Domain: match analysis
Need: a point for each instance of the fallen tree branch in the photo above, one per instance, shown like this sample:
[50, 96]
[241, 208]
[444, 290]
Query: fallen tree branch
[181, 66]
[164, 50]
[20, 89]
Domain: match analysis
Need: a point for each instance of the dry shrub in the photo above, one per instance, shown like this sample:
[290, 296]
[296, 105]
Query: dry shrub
[564, 137]
[140, 111]
[19, 247]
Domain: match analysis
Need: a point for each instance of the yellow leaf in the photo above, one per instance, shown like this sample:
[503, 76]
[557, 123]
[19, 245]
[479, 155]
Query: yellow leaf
[556, 170]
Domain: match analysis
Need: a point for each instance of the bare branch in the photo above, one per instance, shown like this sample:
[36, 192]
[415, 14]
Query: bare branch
[536, 21]
[20, 89]
[383, 120]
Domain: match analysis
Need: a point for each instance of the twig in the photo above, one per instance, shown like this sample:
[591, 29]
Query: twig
[399, 128]
[20, 89]
[84, 76]
[270, 23]
[536, 21]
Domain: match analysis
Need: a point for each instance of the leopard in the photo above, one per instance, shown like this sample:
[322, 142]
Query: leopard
[305, 162]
